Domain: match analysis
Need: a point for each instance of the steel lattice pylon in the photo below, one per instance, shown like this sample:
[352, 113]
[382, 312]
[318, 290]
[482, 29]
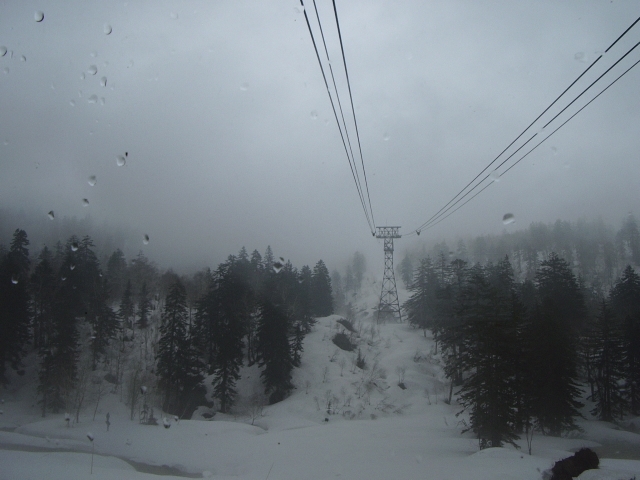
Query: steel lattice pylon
[389, 306]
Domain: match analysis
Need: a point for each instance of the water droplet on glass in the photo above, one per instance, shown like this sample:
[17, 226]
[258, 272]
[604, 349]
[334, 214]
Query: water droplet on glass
[495, 176]
[103, 82]
[278, 265]
[120, 161]
[72, 103]
[63, 278]
[82, 76]
[92, 180]
[85, 202]
[102, 101]
[107, 29]
[23, 58]
[93, 99]
[299, 9]
[80, 93]
[51, 215]
[74, 247]
[554, 150]
[581, 57]
[6, 70]
[145, 239]
[244, 87]
[386, 137]
[14, 279]
[38, 16]
[314, 115]
[94, 54]
[508, 218]
[92, 70]
[175, 16]
[3, 51]
[72, 266]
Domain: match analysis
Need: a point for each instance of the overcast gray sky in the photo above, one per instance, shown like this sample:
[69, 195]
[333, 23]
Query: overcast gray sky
[231, 138]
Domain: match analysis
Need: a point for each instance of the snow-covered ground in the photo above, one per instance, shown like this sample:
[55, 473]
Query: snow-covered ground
[340, 422]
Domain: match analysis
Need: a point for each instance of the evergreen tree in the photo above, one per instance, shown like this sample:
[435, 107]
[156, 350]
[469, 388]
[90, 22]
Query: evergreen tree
[489, 393]
[178, 367]
[207, 323]
[558, 319]
[625, 304]
[321, 294]
[297, 344]
[90, 277]
[267, 260]
[126, 312]
[144, 307]
[14, 304]
[422, 305]
[232, 297]
[305, 296]
[80, 272]
[143, 271]
[59, 356]
[116, 273]
[256, 268]
[608, 362]
[451, 319]
[58, 257]
[405, 268]
[105, 325]
[43, 286]
[274, 349]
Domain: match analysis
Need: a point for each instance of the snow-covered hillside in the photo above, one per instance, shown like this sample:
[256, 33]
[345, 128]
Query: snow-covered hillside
[386, 421]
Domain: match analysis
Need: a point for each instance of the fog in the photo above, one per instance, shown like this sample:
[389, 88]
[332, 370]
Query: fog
[222, 115]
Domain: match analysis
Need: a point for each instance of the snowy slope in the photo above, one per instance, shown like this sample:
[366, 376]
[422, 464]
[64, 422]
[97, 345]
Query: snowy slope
[340, 422]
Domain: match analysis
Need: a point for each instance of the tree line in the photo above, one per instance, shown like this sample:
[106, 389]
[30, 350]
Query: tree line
[597, 252]
[519, 353]
[169, 331]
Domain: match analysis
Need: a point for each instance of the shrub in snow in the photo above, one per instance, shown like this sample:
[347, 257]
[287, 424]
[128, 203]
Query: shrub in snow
[342, 341]
[360, 361]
